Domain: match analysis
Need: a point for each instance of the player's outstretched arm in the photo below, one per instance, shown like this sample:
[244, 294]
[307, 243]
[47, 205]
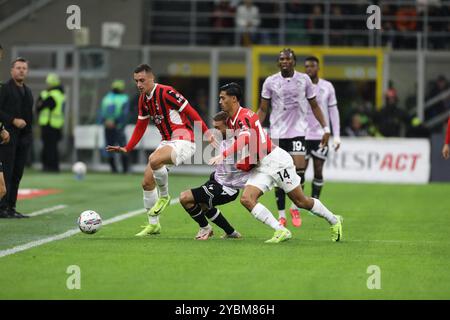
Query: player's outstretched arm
[263, 109]
[446, 151]
[318, 114]
[116, 149]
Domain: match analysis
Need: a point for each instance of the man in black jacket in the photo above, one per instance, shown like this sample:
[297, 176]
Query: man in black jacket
[16, 112]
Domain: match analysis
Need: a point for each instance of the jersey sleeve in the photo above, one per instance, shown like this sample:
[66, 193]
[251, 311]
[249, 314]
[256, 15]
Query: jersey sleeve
[447, 136]
[310, 88]
[175, 99]
[143, 112]
[332, 101]
[266, 92]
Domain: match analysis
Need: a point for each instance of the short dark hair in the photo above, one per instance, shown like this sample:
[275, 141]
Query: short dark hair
[289, 51]
[220, 116]
[232, 89]
[143, 67]
[312, 58]
[18, 59]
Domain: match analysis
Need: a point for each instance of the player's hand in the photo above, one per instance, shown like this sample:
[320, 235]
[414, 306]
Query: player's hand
[212, 139]
[216, 160]
[446, 151]
[19, 123]
[116, 149]
[325, 138]
[336, 143]
[4, 135]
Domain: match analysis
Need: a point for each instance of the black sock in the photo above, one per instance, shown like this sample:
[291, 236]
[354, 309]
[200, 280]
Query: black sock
[217, 218]
[281, 198]
[301, 174]
[316, 188]
[196, 213]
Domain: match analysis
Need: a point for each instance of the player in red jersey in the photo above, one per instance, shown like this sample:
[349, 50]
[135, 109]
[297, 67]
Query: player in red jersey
[172, 115]
[269, 165]
[445, 148]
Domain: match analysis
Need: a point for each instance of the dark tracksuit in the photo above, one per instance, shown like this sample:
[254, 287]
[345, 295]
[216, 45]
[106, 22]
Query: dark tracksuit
[15, 102]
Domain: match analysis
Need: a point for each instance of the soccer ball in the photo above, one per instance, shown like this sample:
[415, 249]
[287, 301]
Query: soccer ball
[79, 168]
[89, 221]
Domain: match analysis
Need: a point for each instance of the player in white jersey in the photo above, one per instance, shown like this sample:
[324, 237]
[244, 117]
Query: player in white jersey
[287, 92]
[221, 188]
[326, 97]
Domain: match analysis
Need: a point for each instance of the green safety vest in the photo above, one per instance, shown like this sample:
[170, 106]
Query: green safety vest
[54, 118]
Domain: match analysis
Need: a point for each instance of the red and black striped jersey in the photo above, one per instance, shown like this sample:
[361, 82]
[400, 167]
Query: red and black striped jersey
[164, 107]
[246, 123]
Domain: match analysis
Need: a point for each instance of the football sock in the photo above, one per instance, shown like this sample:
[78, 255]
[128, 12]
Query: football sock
[301, 174]
[265, 216]
[281, 214]
[320, 210]
[281, 198]
[294, 207]
[196, 213]
[214, 215]
[317, 185]
[150, 198]
[162, 180]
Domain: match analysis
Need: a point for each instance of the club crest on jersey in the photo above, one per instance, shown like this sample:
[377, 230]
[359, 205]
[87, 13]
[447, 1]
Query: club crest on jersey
[157, 119]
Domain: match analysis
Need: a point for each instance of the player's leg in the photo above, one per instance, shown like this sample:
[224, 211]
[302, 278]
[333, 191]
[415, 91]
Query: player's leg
[201, 203]
[253, 190]
[318, 209]
[300, 167]
[158, 160]
[150, 195]
[195, 211]
[221, 195]
[317, 182]
[280, 196]
[319, 156]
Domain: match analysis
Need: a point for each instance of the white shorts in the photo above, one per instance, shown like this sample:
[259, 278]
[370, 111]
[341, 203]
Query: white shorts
[276, 169]
[182, 150]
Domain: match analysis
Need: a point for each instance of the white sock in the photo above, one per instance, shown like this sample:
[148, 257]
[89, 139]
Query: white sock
[294, 207]
[281, 214]
[153, 220]
[162, 180]
[150, 198]
[320, 210]
[265, 216]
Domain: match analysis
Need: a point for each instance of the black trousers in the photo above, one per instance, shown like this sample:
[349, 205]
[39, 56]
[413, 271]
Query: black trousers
[113, 137]
[14, 155]
[50, 155]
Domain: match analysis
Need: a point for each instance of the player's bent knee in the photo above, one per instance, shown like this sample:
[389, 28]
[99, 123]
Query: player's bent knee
[248, 202]
[155, 162]
[186, 198]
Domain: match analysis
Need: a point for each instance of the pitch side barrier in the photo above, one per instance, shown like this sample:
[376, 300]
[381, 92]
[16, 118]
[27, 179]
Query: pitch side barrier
[384, 160]
[387, 160]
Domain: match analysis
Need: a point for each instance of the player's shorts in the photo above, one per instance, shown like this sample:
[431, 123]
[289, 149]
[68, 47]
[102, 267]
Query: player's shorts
[214, 194]
[276, 169]
[313, 150]
[1, 166]
[183, 150]
[294, 146]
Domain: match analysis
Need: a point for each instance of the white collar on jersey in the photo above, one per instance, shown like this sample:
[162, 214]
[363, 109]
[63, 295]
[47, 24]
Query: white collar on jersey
[237, 114]
[151, 93]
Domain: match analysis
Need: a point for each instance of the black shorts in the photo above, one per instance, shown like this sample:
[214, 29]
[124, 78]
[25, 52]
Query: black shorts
[213, 194]
[313, 150]
[1, 166]
[294, 146]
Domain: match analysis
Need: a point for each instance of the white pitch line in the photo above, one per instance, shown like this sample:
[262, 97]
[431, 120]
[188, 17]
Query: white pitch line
[69, 233]
[47, 210]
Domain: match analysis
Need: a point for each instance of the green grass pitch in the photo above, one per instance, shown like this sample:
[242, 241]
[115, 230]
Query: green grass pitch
[402, 229]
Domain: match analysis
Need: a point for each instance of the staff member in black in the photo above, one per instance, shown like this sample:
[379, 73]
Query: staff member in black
[16, 112]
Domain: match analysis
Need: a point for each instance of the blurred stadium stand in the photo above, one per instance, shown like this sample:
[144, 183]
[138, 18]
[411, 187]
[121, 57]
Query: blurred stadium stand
[195, 46]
